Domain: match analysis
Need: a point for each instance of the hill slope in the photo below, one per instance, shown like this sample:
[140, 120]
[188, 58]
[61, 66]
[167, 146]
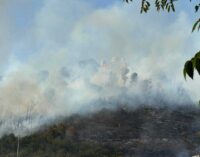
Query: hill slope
[124, 132]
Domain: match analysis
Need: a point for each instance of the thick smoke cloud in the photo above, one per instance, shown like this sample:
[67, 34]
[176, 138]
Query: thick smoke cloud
[80, 58]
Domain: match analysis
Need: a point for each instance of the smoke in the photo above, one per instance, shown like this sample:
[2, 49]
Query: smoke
[75, 58]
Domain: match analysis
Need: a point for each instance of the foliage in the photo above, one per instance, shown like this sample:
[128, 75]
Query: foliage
[169, 5]
[159, 4]
[191, 65]
[52, 142]
[121, 132]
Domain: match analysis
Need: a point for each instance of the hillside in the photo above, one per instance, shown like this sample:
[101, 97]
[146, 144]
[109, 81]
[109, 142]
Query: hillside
[124, 132]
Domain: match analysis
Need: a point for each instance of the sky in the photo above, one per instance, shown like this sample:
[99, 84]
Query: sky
[64, 57]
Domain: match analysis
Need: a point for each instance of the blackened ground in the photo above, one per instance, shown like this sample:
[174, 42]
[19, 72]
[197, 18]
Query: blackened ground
[124, 132]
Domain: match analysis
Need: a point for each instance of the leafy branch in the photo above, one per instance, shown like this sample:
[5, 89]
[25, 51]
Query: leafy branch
[167, 5]
[191, 65]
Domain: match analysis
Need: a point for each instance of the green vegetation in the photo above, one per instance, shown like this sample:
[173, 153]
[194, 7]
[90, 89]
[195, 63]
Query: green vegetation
[53, 142]
[124, 132]
[191, 65]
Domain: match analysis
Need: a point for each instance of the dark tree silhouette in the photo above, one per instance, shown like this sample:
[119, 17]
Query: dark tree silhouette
[169, 5]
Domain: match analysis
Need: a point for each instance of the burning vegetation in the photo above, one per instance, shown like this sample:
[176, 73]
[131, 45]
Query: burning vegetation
[124, 132]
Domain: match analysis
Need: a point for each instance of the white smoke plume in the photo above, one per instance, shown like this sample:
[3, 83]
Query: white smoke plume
[72, 57]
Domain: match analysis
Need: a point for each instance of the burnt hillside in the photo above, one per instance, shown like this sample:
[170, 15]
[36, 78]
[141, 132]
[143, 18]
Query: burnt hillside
[124, 132]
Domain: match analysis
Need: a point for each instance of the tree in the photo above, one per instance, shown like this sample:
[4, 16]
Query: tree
[169, 5]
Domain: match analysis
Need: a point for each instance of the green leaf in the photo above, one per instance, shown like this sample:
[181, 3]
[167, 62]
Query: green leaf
[195, 25]
[148, 4]
[196, 8]
[189, 69]
[197, 55]
[127, 1]
[184, 73]
[197, 65]
[173, 8]
[168, 9]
